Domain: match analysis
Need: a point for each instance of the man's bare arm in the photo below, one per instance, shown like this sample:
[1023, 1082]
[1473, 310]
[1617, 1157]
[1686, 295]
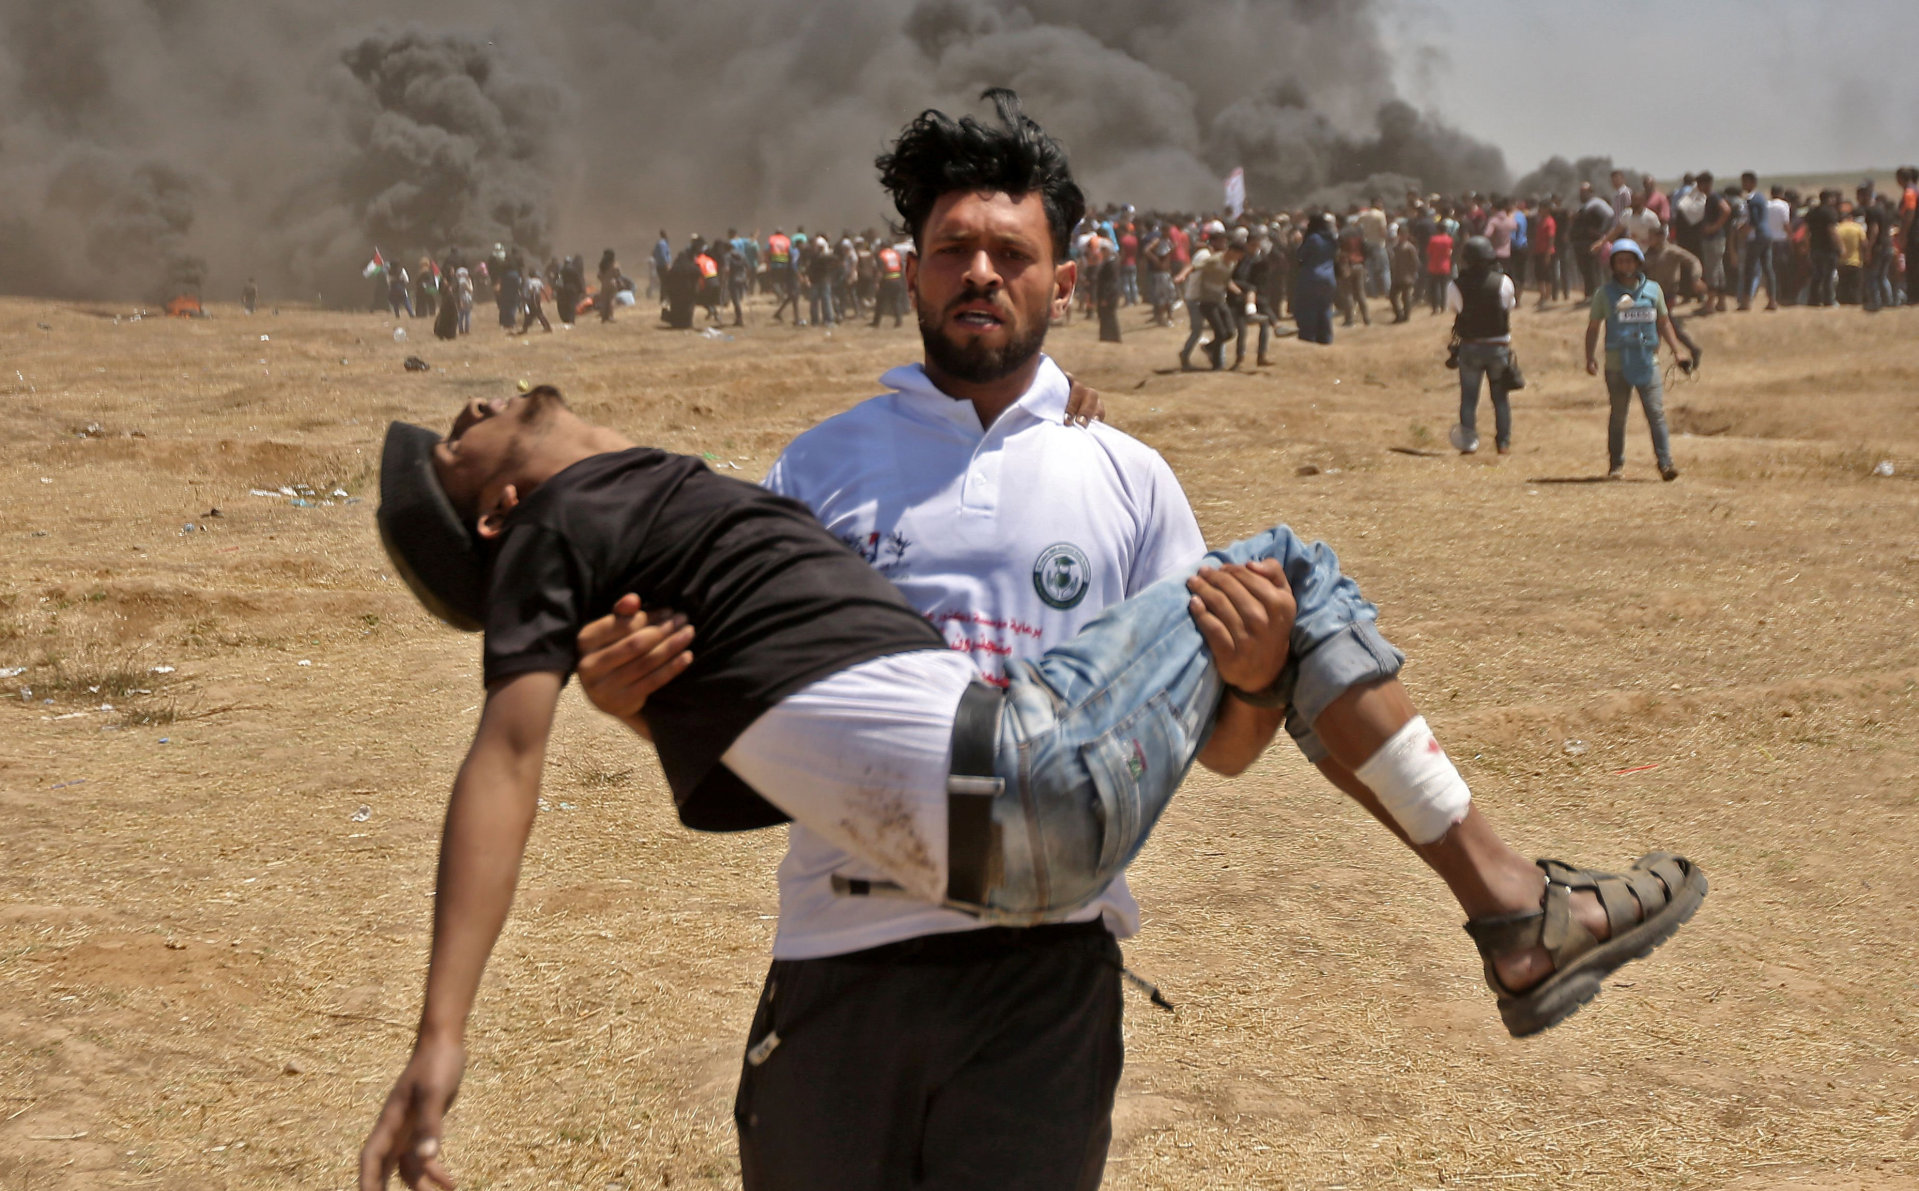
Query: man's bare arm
[488, 820]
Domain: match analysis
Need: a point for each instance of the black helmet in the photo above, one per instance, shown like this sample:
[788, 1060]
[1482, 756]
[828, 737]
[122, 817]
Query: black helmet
[1477, 253]
[437, 553]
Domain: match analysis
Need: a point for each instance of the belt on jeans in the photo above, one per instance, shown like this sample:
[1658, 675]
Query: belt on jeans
[971, 787]
[972, 840]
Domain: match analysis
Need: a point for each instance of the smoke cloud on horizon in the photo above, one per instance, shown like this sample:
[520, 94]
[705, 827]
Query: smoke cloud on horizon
[147, 144]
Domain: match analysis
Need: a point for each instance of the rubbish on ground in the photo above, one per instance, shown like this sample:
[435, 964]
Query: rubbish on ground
[524, 386]
[363, 814]
[1306, 469]
[303, 662]
[262, 492]
[339, 492]
[10, 671]
[160, 670]
[1574, 748]
[1882, 468]
[298, 503]
[399, 334]
[165, 739]
[1634, 769]
[189, 527]
[213, 512]
[416, 364]
[264, 338]
[285, 491]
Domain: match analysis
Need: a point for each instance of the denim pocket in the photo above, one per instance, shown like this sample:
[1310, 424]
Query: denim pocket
[1135, 766]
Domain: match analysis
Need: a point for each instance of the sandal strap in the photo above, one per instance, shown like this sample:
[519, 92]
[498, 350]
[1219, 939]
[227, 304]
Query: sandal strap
[1621, 901]
[1502, 934]
[1667, 866]
[1652, 894]
[1558, 872]
[1565, 938]
[1506, 932]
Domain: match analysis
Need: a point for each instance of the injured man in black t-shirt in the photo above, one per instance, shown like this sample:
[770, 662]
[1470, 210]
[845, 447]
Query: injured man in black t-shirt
[818, 694]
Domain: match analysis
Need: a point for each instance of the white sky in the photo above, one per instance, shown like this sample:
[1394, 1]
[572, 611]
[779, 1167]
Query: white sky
[1768, 85]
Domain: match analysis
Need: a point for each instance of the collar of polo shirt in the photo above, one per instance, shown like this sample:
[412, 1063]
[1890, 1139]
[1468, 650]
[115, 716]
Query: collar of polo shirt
[1045, 400]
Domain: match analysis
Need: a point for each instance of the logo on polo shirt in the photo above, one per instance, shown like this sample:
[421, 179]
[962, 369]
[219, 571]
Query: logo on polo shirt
[1062, 575]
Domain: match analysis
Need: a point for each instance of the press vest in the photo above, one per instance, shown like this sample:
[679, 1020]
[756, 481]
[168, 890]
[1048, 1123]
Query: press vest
[1481, 314]
[1633, 326]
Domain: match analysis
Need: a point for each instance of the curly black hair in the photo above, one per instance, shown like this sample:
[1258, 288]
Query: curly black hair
[937, 155]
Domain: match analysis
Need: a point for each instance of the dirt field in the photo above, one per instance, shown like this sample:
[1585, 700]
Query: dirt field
[215, 868]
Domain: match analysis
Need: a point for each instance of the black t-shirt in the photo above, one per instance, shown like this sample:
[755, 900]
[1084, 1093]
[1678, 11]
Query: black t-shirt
[1819, 224]
[1423, 227]
[1876, 228]
[1715, 211]
[778, 603]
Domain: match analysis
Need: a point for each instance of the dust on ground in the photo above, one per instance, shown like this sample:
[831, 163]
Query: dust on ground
[221, 798]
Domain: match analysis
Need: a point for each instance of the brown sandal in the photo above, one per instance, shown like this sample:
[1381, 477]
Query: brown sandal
[1644, 906]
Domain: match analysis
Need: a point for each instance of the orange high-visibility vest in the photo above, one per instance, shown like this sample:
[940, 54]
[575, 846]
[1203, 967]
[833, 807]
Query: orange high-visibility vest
[889, 264]
[779, 249]
[709, 268]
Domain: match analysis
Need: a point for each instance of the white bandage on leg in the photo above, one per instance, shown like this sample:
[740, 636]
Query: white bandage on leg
[1416, 782]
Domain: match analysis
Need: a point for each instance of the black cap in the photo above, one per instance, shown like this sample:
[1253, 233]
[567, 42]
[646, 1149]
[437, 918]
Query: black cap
[437, 553]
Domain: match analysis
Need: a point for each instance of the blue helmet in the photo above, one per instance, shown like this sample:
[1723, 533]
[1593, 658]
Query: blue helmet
[1619, 246]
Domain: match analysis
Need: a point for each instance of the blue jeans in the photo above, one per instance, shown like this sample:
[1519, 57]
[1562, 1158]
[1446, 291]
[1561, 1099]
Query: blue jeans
[1492, 361]
[1878, 291]
[1653, 399]
[1097, 734]
[1759, 266]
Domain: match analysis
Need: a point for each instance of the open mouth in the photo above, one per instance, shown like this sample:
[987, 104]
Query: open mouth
[978, 316]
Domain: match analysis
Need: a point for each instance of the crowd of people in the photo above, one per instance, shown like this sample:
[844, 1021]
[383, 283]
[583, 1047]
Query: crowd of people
[1706, 245]
[1259, 270]
[447, 290]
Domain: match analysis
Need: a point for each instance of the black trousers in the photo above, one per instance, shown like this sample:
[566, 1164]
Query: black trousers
[985, 1059]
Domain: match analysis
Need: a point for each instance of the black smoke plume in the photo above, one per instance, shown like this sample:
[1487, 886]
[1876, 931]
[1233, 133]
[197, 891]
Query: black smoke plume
[285, 140]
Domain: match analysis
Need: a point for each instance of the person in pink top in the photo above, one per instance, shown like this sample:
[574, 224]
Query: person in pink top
[1657, 202]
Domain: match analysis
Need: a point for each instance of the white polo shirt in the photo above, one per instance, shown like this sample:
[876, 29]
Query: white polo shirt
[1008, 539]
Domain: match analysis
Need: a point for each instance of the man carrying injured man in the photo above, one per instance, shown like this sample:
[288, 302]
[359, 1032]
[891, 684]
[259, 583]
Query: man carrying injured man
[1017, 806]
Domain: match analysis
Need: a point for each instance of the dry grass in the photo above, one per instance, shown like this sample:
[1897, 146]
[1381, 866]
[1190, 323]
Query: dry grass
[208, 966]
